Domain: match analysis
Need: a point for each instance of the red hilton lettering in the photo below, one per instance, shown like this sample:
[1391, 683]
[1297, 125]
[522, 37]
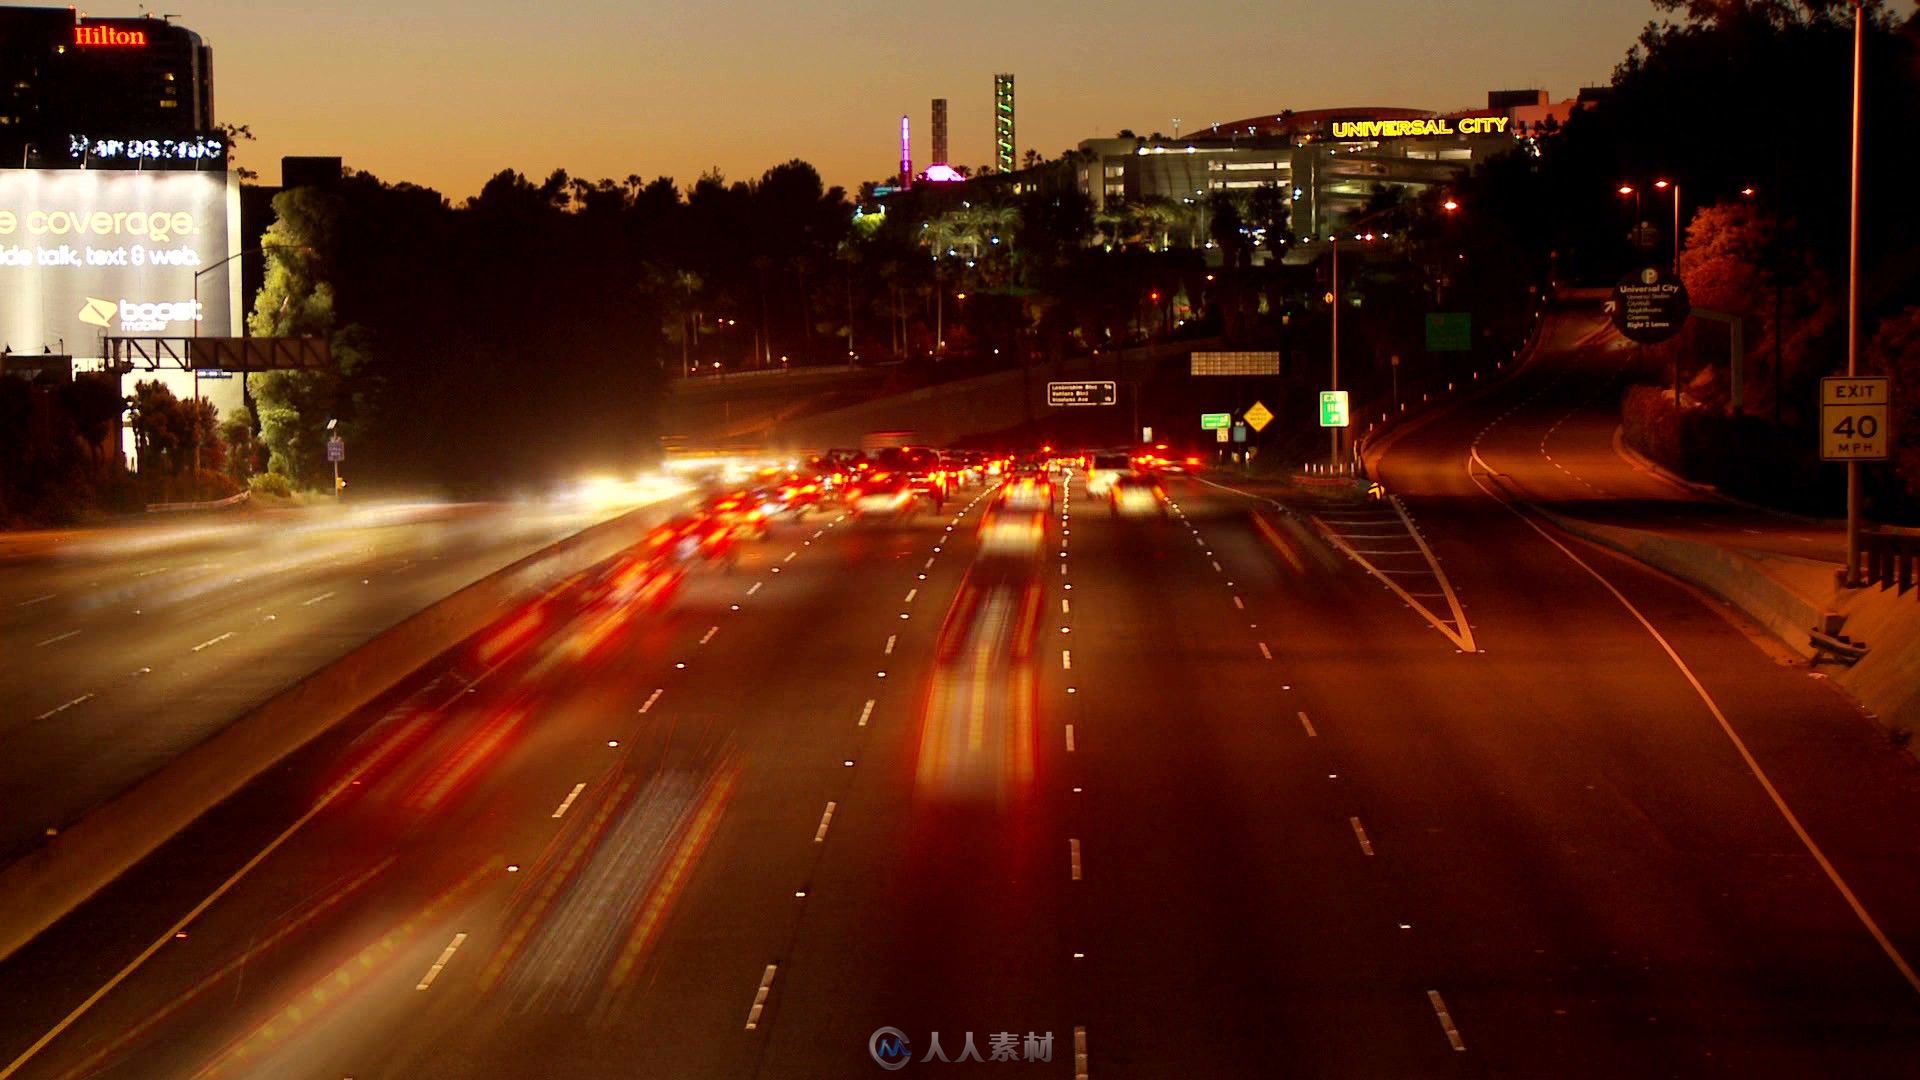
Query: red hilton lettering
[108, 35]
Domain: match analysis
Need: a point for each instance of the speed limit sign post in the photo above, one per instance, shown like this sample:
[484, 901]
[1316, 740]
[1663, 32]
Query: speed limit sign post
[1853, 429]
[1853, 418]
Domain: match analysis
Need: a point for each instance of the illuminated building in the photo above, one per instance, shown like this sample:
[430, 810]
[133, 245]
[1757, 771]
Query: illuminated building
[1006, 152]
[140, 87]
[906, 154]
[1326, 163]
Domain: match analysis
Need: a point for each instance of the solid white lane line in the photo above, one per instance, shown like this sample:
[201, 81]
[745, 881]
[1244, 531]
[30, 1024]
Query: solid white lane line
[58, 709]
[891, 638]
[57, 638]
[1069, 738]
[568, 801]
[150, 573]
[1079, 1053]
[1073, 855]
[826, 819]
[911, 593]
[35, 600]
[708, 636]
[866, 712]
[1360, 834]
[170, 934]
[446, 955]
[317, 599]
[213, 641]
[756, 587]
[651, 698]
[1066, 660]
[760, 997]
[1308, 724]
[1726, 726]
[1266, 652]
[1446, 1020]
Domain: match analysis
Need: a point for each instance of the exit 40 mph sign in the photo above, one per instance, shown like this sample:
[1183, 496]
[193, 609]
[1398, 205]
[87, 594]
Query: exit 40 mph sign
[1853, 418]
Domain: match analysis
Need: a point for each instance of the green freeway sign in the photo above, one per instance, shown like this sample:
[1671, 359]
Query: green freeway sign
[1449, 331]
[1215, 421]
[1333, 408]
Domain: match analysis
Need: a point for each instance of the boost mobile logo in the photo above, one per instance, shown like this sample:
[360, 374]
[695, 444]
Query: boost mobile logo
[139, 317]
[99, 312]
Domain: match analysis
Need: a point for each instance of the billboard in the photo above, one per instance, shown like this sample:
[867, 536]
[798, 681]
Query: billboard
[90, 253]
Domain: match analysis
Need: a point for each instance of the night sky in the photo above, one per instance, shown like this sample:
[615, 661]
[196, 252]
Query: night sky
[446, 93]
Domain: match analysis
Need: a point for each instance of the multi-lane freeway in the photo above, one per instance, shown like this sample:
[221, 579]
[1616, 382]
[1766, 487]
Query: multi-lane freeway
[127, 645]
[1317, 787]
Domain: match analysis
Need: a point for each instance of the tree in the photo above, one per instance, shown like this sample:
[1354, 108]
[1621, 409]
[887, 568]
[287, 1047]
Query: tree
[1895, 351]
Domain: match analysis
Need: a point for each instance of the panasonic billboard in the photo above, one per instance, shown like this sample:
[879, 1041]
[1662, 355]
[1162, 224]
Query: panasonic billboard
[86, 254]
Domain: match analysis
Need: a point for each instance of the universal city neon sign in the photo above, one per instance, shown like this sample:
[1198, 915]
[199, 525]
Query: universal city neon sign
[109, 36]
[1394, 129]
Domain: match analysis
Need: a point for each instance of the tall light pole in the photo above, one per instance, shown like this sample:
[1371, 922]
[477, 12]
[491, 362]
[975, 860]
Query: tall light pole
[1675, 185]
[1334, 292]
[1853, 294]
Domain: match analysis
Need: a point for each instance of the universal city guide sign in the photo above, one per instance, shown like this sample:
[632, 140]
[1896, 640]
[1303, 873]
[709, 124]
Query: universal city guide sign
[1432, 125]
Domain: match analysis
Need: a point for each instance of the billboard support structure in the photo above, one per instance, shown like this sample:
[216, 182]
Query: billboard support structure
[245, 355]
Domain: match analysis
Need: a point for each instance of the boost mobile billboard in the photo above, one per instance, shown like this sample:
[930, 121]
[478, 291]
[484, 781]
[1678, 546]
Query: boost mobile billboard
[90, 253]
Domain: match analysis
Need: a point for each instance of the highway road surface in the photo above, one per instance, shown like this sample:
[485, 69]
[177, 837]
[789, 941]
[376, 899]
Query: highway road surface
[1233, 791]
[127, 645]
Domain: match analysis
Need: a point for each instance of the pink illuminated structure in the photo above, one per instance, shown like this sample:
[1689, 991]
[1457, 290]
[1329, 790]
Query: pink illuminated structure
[906, 155]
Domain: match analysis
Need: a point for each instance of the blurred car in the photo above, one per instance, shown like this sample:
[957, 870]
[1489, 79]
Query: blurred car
[966, 469]
[1006, 531]
[884, 495]
[1027, 489]
[1104, 469]
[797, 495]
[1136, 496]
[742, 513]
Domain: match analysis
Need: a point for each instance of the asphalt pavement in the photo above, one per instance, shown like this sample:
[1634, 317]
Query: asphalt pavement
[1194, 794]
[128, 645]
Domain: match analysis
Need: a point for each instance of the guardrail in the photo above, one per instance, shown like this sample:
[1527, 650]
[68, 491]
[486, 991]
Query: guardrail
[1890, 559]
[208, 504]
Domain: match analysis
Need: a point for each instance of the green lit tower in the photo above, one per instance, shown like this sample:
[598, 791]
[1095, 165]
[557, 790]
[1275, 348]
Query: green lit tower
[1006, 147]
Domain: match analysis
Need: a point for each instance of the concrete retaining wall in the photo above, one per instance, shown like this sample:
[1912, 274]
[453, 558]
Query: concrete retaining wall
[1732, 577]
[43, 886]
[945, 413]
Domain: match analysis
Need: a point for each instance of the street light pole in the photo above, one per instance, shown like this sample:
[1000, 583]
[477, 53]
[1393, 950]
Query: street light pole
[1853, 294]
[1335, 380]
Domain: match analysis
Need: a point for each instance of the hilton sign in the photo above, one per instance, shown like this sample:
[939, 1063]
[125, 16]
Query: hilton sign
[110, 36]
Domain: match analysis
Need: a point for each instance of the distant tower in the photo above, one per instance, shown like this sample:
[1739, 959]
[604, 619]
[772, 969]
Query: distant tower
[939, 132]
[906, 155]
[1006, 152]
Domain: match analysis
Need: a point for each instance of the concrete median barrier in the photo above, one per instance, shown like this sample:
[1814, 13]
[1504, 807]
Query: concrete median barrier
[44, 885]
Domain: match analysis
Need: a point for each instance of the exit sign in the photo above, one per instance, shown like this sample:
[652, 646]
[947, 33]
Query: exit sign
[1333, 408]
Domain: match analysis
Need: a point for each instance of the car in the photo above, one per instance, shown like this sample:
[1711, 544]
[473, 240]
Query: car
[1136, 495]
[1006, 531]
[1104, 469]
[882, 495]
[1027, 489]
